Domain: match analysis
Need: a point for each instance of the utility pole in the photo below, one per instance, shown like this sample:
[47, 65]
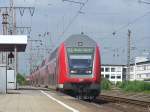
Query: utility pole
[5, 23]
[5, 31]
[12, 12]
[11, 27]
[31, 56]
[128, 55]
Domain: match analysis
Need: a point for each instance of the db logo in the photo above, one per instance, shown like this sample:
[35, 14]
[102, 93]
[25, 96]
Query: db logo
[81, 80]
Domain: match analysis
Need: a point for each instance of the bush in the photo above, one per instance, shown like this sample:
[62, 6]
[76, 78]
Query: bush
[21, 79]
[118, 84]
[105, 84]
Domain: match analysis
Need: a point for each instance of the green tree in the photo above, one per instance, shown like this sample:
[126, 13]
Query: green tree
[21, 79]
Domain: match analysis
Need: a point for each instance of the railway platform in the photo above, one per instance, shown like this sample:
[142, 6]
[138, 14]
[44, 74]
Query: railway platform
[28, 101]
[36, 100]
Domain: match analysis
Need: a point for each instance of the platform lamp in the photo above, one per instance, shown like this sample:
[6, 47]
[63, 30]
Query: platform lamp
[10, 58]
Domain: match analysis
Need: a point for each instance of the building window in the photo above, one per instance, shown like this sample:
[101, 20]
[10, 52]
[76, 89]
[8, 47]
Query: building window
[102, 69]
[139, 75]
[131, 76]
[102, 75]
[147, 75]
[107, 70]
[144, 67]
[148, 67]
[118, 69]
[131, 69]
[112, 77]
[107, 76]
[139, 68]
[118, 77]
[112, 69]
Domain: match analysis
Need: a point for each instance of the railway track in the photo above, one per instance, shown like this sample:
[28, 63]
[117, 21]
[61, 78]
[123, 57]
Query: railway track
[116, 99]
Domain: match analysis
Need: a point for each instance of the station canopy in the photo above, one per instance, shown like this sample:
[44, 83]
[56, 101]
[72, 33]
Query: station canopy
[9, 42]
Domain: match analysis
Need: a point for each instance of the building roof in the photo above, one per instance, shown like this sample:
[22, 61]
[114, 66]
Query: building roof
[79, 40]
[8, 42]
[139, 63]
[112, 65]
[144, 62]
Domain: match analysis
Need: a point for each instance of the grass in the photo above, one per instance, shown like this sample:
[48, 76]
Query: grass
[134, 86]
[105, 84]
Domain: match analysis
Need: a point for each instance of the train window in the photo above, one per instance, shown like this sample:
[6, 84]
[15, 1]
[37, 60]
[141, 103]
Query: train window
[80, 61]
[80, 64]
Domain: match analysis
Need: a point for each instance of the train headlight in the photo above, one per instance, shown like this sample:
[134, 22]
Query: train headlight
[89, 71]
[73, 71]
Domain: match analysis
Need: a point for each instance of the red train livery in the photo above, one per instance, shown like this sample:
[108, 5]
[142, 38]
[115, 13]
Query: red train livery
[73, 66]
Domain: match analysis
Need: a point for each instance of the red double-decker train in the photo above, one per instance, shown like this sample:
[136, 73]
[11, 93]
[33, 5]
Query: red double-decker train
[73, 66]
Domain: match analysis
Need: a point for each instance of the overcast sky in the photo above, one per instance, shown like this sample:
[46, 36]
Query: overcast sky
[99, 19]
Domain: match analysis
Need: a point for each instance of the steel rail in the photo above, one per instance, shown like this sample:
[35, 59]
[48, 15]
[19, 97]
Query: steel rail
[124, 100]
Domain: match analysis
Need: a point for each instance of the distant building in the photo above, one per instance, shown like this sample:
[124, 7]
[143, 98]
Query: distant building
[140, 71]
[114, 73]
[141, 59]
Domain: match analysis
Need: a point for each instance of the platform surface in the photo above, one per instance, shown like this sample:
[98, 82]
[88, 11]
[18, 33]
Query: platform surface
[31, 99]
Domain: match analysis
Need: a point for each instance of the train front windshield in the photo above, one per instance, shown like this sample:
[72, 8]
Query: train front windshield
[80, 62]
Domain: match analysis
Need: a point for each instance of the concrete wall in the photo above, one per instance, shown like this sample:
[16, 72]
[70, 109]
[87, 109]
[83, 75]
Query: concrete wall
[2, 79]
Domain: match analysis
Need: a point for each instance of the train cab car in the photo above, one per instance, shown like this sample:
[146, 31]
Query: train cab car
[74, 66]
[78, 65]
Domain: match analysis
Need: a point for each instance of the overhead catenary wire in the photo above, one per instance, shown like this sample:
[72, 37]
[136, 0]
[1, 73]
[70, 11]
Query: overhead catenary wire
[73, 19]
[131, 22]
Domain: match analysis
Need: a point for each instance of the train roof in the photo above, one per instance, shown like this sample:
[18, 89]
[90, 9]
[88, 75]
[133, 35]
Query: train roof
[75, 40]
[79, 40]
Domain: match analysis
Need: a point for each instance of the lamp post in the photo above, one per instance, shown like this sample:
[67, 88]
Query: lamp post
[10, 58]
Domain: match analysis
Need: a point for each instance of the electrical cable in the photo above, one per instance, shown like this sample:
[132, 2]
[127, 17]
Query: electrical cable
[131, 22]
[73, 19]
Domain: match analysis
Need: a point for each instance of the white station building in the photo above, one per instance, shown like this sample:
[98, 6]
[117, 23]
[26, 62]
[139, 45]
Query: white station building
[140, 70]
[114, 73]
[9, 46]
